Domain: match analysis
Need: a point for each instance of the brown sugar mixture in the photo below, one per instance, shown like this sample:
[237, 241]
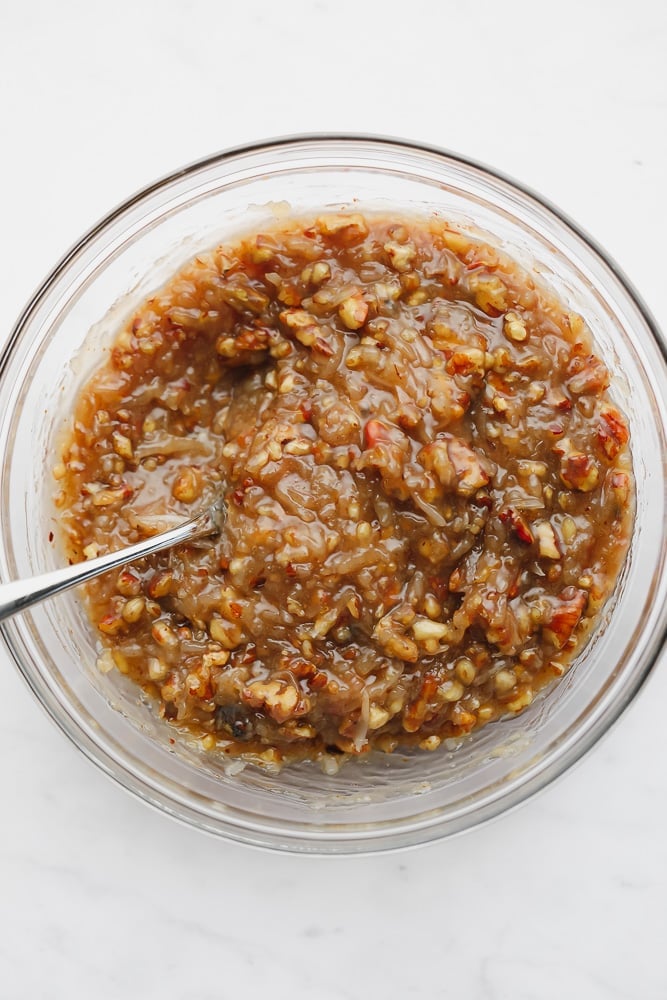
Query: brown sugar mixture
[429, 490]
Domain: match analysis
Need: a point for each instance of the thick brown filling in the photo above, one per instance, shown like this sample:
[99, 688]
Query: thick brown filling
[429, 490]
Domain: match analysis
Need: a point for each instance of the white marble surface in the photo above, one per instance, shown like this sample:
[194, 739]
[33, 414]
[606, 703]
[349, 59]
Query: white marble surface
[102, 897]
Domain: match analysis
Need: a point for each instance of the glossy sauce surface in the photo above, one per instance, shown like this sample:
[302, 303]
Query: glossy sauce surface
[430, 493]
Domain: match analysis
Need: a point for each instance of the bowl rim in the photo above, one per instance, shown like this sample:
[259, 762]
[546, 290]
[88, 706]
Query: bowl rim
[322, 841]
[313, 137]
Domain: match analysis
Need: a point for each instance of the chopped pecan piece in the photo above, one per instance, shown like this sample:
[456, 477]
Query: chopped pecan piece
[619, 483]
[587, 376]
[374, 432]
[546, 540]
[565, 616]
[352, 227]
[577, 471]
[456, 465]
[301, 325]
[518, 524]
[108, 496]
[400, 255]
[470, 361]
[353, 311]
[280, 698]
[416, 713]
[612, 431]
[389, 632]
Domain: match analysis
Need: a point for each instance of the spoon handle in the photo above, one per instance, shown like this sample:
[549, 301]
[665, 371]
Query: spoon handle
[21, 594]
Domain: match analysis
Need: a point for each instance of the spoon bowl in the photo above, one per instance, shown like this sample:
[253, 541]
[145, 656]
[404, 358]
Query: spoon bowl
[18, 595]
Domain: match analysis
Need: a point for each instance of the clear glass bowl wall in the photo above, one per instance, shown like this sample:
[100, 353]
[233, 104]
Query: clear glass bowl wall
[382, 801]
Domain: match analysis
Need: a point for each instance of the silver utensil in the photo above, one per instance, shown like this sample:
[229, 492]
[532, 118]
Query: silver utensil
[21, 594]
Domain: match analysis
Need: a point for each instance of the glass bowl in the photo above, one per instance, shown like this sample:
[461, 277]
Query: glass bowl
[382, 801]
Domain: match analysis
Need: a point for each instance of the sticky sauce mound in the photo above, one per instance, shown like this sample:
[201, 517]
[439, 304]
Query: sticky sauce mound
[429, 489]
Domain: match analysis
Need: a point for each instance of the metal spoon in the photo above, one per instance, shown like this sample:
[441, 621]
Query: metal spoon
[21, 594]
